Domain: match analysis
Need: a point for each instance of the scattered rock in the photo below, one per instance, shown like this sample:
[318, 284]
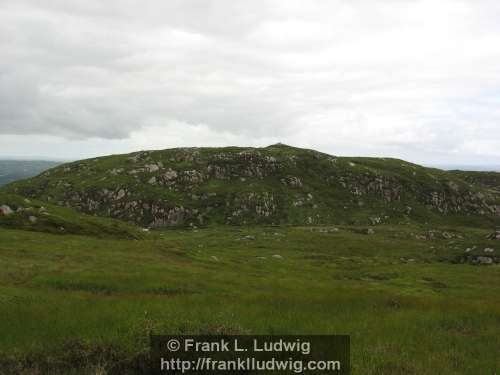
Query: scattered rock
[435, 234]
[116, 171]
[447, 235]
[121, 194]
[495, 236]
[170, 175]
[32, 219]
[152, 168]
[214, 258]
[5, 210]
[484, 260]
[479, 260]
[277, 256]
[489, 250]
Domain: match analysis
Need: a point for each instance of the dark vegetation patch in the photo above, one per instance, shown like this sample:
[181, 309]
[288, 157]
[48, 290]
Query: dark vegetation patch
[77, 357]
[434, 283]
[394, 368]
[167, 290]
[457, 324]
[83, 286]
[382, 276]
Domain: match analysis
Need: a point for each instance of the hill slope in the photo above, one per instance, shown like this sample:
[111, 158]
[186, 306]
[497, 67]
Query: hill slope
[487, 180]
[272, 185]
[21, 213]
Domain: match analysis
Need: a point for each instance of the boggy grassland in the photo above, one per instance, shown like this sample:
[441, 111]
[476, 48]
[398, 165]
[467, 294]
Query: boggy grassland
[408, 295]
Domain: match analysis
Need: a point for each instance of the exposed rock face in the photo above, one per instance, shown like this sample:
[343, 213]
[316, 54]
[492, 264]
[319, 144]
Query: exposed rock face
[292, 181]
[277, 184]
[359, 185]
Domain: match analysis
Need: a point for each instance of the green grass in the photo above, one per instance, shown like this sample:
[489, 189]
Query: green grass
[407, 303]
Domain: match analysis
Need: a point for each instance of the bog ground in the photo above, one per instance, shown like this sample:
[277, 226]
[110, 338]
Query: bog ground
[408, 295]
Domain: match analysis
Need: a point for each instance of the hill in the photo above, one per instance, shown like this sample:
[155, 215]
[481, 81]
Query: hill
[12, 170]
[278, 184]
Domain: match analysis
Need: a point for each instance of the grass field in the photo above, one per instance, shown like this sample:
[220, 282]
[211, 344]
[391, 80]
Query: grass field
[84, 305]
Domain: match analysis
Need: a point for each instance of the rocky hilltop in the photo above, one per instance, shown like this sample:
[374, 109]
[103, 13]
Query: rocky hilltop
[278, 184]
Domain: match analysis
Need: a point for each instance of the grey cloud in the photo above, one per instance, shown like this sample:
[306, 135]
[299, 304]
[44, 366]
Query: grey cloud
[382, 74]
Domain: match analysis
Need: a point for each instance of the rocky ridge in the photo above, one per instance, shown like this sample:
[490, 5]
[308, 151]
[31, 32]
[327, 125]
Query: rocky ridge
[273, 185]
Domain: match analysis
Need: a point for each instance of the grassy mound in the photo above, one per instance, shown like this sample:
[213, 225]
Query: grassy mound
[33, 215]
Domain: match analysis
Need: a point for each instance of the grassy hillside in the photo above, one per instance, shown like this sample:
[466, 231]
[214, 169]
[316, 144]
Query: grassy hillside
[12, 170]
[273, 185]
[410, 302]
[29, 214]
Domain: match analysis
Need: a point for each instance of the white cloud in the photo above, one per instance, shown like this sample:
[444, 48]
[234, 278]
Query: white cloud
[413, 79]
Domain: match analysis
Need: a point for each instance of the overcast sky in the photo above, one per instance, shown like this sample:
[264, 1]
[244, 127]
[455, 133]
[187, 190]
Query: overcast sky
[418, 80]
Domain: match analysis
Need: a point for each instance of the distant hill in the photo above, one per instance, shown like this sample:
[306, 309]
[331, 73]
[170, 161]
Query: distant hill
[466, 167]
[12, 170]
[278, 184]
